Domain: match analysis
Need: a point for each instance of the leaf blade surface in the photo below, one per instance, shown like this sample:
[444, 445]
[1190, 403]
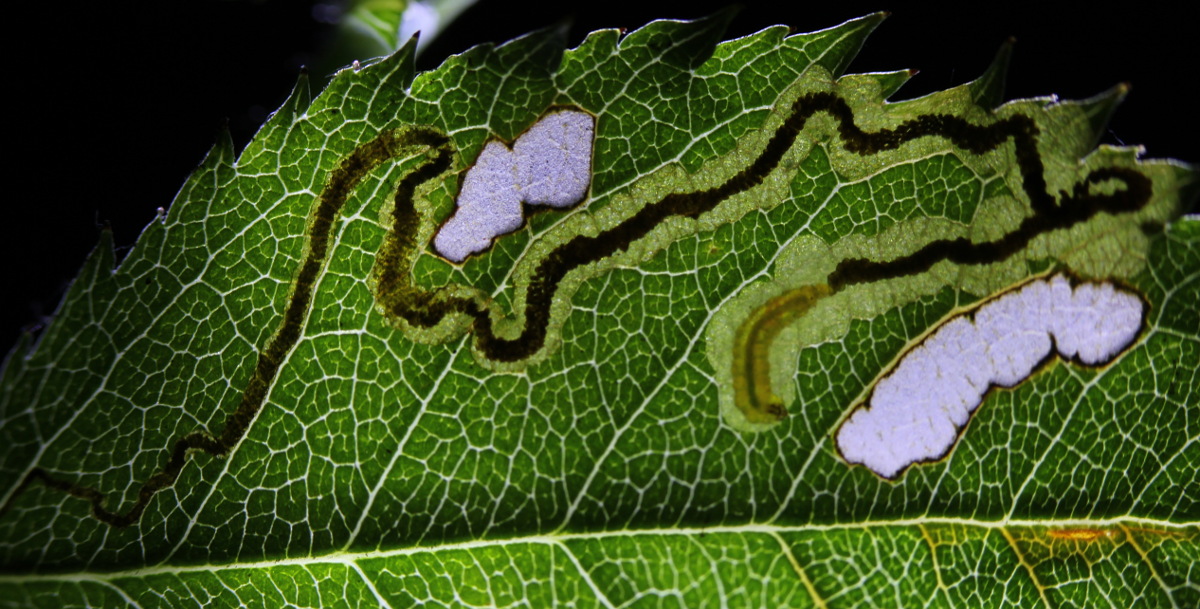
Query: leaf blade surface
[602, 470]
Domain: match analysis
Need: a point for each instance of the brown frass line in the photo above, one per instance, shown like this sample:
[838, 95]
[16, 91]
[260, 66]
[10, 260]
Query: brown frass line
[426, 309]
[342, 181]
[398, 297]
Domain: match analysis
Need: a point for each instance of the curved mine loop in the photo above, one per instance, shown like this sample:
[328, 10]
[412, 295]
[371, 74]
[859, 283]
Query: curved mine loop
[752, 348]
[398, 297]
[751, 368]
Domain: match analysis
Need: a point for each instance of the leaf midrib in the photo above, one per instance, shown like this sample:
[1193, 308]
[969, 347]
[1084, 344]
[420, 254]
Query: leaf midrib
[557, 540]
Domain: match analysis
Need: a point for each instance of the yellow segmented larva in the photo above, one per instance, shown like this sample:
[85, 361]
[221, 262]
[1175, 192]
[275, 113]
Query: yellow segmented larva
[752, 392]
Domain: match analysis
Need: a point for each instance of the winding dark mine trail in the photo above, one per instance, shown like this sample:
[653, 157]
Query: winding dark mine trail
[399, 298]
[751, 361]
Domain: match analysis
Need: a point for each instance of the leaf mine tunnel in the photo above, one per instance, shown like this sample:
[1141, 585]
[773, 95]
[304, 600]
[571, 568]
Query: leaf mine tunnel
[752, 347]
[1111, 190]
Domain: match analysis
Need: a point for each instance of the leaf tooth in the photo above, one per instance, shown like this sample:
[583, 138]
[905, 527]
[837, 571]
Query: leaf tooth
[272, 133]
[221, 155]
[196, 194]
[539, 52]
[291, 110]
[401, 66]
[849, 38]
[684, 45]
[529, 64]
[890, 82]
[988, 90]
[1099, 110]
[12, 366]
[1188, 177]
[102, 261]
[297, 102]
[91, 290]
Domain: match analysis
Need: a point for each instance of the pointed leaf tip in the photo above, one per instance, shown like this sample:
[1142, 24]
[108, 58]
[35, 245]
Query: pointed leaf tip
[890, 82]
[299, 99]
[849, 39]
[103, 256]
[1100, 109]
[1189, 188]
[682, 44]
[11, 362]
[401, 64]
[988, 90]
[539, 51]
[222, 152]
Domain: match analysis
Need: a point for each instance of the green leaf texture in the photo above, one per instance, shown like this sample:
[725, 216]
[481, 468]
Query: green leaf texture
[388, 465]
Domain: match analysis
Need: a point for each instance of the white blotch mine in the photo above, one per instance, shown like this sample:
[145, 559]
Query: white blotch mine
[917, 411]
[550, 164]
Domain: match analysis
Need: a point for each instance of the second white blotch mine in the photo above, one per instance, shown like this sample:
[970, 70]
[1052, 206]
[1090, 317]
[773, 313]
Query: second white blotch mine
[550, 164]
[916, 412]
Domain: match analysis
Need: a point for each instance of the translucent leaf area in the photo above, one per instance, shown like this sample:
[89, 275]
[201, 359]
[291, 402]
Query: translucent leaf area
[283, 395]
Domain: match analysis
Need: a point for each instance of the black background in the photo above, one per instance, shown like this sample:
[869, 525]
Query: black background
[112, 104]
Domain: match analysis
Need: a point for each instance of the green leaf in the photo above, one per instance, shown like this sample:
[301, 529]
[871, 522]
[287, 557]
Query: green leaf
[284, 395]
